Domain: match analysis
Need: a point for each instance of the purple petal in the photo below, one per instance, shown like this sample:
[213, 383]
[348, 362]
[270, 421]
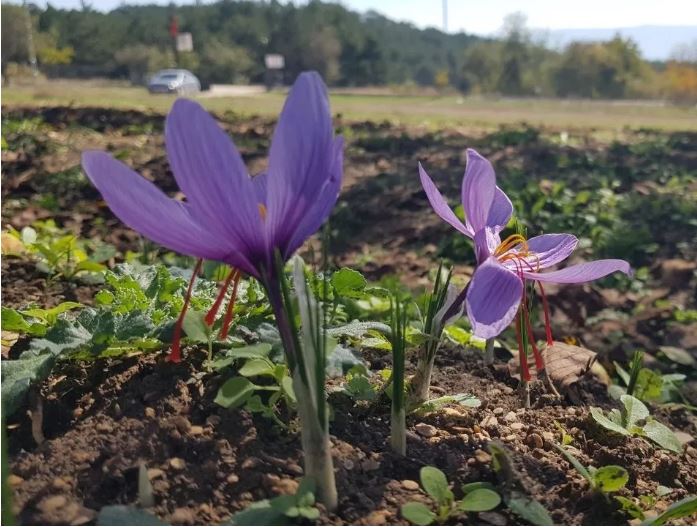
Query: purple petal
[500, 212]
[439, 204]
[146, 209]
[301, 157]
[493, 299]
[585, 272]
[549, 249]
[260, 183]
[478, 189]
[485, 243]
[323, 205]
[210, 171]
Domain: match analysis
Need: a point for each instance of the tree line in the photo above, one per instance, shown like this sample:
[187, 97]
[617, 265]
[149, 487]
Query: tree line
[231, 38]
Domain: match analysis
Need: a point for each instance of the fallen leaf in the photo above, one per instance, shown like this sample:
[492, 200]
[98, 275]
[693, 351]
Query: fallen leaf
[565, 363]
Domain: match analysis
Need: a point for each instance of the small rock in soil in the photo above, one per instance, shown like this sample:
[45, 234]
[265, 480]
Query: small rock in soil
[510, 417]
[196, 430]
[154, 473]
[482, 457]
[13, 480]
[489, 421]
[410, 484]
[535, 440]
[377, 518]
[182, 516]
[232, 479]
[426, 430]
[250, 462]
[60, 484]
[516, 427]
[177, 463]
[105, 428]
[498, 411]
[149, 412]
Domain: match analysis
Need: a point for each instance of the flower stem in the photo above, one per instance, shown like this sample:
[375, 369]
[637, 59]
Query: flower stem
[489, 352]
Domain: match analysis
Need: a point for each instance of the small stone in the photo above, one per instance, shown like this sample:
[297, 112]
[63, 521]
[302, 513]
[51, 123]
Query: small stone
[476, 429]
[410, 484]
[494, 392]
[548, 437]
[510, 417]
[294, 469]
[87, 516]
[105, 428]
[511, 437]
[155, 473]
[507, 390]
[683, 437]
[60, 484]
[281, 485]
[149, 412]
[182, 516]
[177, 463]
[13, 480]
[196, 430]
[571, 410]
[50, 504]
[181, 423]
[465, 438]
[460, 429]
[489, 421]
[482, 457]
[232, 479]
[369, 465]
[426, 430]
[516, 427]
[348, 464]
[498, 411]
[453, 413]
[534, 440]
[377, 518]
[250, 463]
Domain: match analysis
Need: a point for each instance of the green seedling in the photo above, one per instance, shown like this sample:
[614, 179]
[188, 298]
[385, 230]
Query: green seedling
[477, 497]
[240, 391]
[605, 480]
[298, 507]
[635, 420]
[646, 384]
[34, 321]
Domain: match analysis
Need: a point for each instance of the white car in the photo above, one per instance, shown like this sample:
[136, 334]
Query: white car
[181, 82]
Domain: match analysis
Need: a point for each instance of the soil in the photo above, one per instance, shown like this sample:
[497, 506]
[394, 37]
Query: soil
[105, 419]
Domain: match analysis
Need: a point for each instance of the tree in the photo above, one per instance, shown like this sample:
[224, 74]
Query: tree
[224, 63]
[140, 60]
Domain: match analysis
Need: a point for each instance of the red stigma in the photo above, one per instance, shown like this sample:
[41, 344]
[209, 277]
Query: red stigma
[213, 311]
[229, 312]
[175, 354]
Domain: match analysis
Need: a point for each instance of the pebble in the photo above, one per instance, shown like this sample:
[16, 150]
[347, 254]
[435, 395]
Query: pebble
[348, 464]
[684, 437]
[13, 480]
[511, 437]
[52, 503]
[377, 518]
[410, 484]
[105, 428]
[476, 429]
[182, 516]
[534, 440]
[60, 484]
[177, 463]
[154, 473]
[571, 410]
[426, 430]
[250, 462]
[494, 392]
[181, 423]
[510, 417]
[232, 479]
[279, 485]
[482, 457]
[548, 437]
[489, 421]
[507, 390]
[149, 412]
[498, 411]
[369, 465]
[516, 427]
[294, 468]
[196, 430]
[213, 420]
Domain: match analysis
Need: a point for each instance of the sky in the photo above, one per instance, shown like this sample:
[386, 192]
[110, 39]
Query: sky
[485, 17]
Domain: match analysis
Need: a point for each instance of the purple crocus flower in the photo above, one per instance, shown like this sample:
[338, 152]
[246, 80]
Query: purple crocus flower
[494, 294]
[228, 215]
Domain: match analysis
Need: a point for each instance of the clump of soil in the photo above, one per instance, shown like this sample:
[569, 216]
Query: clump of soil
[105, 419]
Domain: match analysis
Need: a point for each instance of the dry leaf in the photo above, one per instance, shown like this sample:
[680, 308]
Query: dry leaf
[11, 246]
[565, 363]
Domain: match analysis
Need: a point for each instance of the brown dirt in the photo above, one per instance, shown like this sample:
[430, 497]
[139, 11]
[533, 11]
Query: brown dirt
[104, 419]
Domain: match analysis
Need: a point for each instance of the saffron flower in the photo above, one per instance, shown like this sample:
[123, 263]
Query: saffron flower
[497, 288]
[228, 215]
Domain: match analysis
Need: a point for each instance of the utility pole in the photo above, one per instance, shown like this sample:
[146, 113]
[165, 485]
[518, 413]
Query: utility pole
[30, 40]
[445, 16]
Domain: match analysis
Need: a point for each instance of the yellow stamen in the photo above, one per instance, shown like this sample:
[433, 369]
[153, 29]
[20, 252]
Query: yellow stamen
[510, 242]
[262, 211]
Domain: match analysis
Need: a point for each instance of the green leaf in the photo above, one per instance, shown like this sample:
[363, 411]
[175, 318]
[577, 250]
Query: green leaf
[358, 329]
[603, 421]
[258, 513]
[18, 375]
[28, 235]
[480, 500]
[287, 385]
[90, 266]
[649, 385]
[12, 320]
[469, 487]
[126, 515]
[680, 509]
[234, 392]
[575, 463]
[417, 513]
[634, 411]
[254, 367]
[662, 435]
[630, 507]
[678, 355]
[610, 478]
[435, 484]
[341, 360]
[249, 352]
[349, 283]
[528, 509]
[195, 326]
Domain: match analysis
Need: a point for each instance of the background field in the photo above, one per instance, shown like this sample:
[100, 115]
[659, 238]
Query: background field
[446, 110]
